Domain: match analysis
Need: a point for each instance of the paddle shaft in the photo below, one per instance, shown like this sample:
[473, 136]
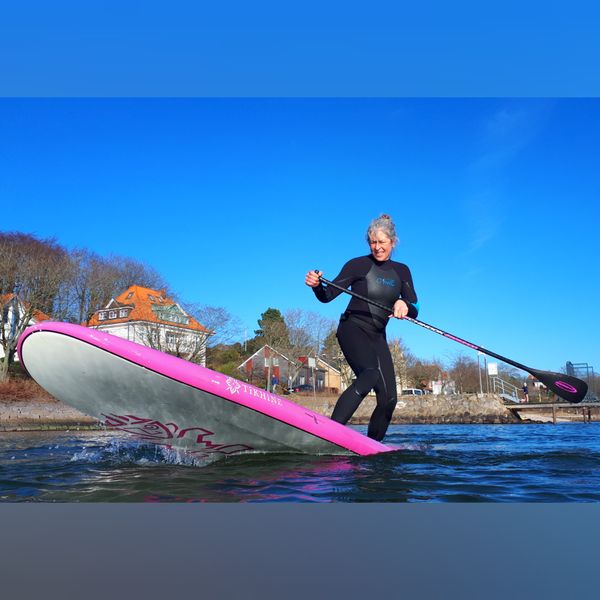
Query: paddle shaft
[568, 387]
[432, 328]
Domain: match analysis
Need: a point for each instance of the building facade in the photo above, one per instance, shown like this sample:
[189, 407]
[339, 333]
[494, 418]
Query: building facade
[287, 373]
[149, 317]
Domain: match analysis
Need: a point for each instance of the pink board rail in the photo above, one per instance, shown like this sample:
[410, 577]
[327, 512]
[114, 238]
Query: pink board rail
[220, 387]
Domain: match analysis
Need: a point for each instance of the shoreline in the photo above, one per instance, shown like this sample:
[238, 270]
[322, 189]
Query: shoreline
[48, 414]
[42, 415]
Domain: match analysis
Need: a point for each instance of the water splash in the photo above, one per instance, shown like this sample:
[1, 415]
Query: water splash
[123, 452]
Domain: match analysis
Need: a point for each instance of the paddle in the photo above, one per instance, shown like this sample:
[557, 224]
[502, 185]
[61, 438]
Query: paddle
[567, 387]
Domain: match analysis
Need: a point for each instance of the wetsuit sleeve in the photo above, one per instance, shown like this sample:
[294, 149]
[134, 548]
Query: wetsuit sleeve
[408, 294]
[346, 277]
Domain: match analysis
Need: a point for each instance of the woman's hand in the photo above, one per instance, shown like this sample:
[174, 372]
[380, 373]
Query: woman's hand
[312, 278]
[400, 309]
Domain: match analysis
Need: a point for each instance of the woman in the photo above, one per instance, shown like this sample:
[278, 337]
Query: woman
[361, 331]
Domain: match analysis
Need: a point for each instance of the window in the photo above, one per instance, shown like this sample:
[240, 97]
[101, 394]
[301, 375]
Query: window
[123, 313]
[171, 314]
[151, 298]
[172, 337]
[129, 295]
[112, 314]
[101, 316]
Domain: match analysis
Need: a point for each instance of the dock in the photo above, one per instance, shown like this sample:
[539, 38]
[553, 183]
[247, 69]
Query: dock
[585, 412]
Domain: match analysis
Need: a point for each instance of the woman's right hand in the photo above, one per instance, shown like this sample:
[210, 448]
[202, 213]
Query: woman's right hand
[312, 278]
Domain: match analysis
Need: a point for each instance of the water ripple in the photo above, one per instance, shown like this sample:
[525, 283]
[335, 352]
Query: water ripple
[437, 463]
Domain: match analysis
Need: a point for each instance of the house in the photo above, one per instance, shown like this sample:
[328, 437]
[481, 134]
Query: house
[326, 377]
[149, 317]
[12, 312]
[290, 372]
[256, 367]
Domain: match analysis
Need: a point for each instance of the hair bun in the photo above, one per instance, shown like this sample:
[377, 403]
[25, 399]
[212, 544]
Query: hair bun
[385, 224]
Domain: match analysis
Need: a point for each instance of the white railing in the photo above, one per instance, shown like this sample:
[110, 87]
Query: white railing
[504, 388]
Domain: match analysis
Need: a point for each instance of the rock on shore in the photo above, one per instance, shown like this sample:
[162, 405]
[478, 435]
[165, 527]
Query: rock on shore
[27, 415]
[33, 415]
[460, 408]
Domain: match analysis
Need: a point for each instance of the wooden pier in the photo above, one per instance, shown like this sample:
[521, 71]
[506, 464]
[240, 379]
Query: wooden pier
[585, 412]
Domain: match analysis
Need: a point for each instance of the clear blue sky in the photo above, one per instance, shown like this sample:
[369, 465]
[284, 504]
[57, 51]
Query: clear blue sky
[232, 200]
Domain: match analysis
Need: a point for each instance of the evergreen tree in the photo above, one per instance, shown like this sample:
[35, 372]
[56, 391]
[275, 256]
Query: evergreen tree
[272, 329]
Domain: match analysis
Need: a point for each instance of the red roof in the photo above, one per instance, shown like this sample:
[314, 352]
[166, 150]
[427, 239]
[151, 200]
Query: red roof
[143, 303]
[38, 315]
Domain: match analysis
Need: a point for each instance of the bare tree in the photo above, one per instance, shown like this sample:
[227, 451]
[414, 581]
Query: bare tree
[133, 272]
[333, 355]
[93, 283]
[300, 337]
[400, 359]
[186, 345]
[33, 273]
[465, 373]
[172, 332]
[307, 331]
[420, 372]
[96, 280]
[224, 327]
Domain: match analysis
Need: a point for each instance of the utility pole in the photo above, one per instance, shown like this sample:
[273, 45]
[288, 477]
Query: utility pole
[487, 381]
[479, 371]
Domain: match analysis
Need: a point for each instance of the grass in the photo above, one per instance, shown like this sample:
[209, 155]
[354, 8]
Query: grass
[20, 388]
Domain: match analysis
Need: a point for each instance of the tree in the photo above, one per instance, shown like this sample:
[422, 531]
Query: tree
[190, 346]
[307, 331]
[400, 359]
[134, 272]
[464, 371]
[331, 351]
[93, 284]
[96, 280]
[333, 355]
[33, 277]
[272, 327]
[272, 332]
[225, 358]
[421, 372]
[224, 326]
[300, 337]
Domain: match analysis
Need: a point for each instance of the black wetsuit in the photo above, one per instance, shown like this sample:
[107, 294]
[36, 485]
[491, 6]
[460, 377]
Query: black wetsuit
[361, 334]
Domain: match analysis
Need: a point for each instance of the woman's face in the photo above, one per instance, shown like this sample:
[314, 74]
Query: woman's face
[381, 245]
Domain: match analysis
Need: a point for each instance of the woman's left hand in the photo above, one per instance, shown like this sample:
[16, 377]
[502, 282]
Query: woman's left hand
[400, 309]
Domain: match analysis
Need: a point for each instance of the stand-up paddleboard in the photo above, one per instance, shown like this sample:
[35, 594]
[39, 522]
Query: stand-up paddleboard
[168, 401]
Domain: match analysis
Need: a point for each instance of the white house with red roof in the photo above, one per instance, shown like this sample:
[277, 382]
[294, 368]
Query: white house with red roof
[13, 311]
[149, 317]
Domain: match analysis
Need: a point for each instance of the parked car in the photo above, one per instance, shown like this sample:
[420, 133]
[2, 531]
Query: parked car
[305, 387]
[412, 392]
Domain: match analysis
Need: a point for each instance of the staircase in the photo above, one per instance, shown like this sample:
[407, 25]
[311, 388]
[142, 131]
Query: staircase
[507, 391]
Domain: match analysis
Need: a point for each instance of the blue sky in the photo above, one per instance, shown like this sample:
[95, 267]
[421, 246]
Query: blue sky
[233, 200]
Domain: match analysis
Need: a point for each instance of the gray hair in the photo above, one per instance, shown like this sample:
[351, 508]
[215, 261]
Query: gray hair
[384, 224]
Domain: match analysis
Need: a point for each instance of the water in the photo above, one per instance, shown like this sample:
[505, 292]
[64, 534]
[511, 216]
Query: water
[435, 463]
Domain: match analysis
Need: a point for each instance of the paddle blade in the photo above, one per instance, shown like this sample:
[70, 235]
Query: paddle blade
[567, 387]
